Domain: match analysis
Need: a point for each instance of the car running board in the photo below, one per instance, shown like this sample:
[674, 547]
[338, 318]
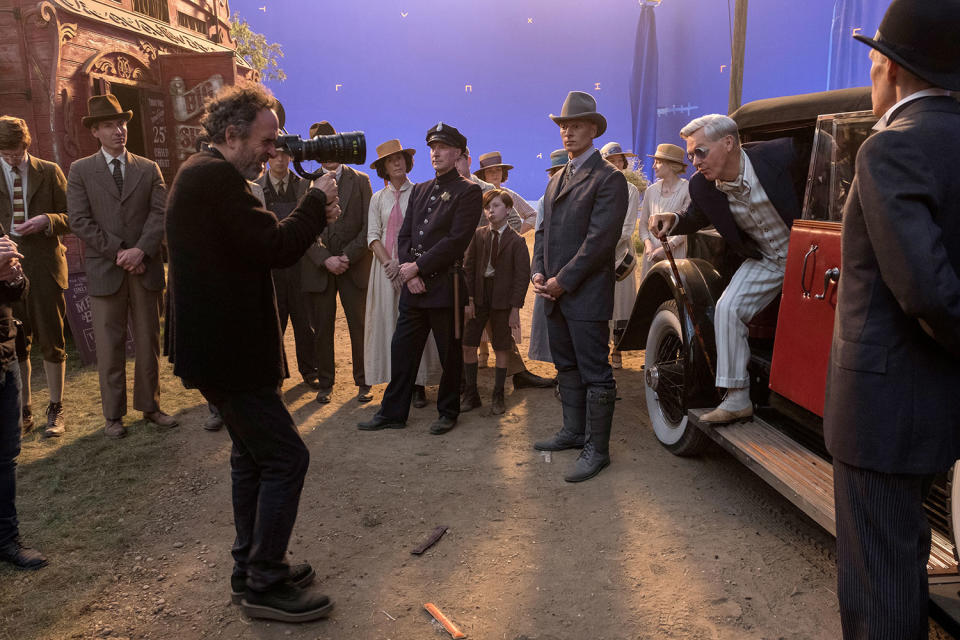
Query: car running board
[800, 475]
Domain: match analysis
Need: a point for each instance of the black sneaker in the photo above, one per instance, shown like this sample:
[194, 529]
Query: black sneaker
[22, 557]
[301, 575]
[286, 603]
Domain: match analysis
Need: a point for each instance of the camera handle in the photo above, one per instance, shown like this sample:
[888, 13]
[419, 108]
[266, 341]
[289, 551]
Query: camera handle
[303, 173]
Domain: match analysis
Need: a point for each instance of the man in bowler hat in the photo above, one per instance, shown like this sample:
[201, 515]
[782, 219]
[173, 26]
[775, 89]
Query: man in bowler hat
[892, 417]
[441, 218]
[573, 270]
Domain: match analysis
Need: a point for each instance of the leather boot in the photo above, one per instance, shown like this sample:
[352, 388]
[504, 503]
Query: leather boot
[596, 449]
[573, 401]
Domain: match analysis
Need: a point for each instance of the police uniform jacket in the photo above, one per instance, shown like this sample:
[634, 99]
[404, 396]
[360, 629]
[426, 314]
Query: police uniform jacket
[441, 218]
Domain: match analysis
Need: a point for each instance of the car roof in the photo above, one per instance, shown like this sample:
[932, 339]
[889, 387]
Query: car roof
[790, 111]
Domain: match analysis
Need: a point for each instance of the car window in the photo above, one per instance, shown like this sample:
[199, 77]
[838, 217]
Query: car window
[837, 139]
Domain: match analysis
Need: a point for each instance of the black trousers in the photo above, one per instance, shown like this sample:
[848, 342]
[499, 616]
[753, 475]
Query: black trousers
[294, 304]
[883, 542]
[267, 465]
[354, 302]
[581, 346]
[413, 327]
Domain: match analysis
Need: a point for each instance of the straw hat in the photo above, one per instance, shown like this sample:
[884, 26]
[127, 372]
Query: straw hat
[389, 148]
[105, 107]
[581, 106]
[490, 161]
[322, 128]
[614, 149]
[670, 153]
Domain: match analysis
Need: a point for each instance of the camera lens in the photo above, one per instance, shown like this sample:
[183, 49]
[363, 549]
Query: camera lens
[343, 148]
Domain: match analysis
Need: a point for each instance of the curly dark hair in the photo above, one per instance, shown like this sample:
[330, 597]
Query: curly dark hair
[236, 105]
[380, 165]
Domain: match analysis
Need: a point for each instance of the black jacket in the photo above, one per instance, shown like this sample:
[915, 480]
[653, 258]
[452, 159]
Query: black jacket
[8, 330]
[893, 385]
[781, 172]
[223, 329]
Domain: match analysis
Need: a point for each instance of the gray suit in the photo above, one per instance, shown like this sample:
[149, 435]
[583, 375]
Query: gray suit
[348, 237]
[892, 410]
[108, 221]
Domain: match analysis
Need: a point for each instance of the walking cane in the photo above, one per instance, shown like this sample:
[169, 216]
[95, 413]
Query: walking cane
[686, 304]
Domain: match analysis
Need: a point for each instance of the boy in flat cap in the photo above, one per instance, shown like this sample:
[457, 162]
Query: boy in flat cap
[441, 218]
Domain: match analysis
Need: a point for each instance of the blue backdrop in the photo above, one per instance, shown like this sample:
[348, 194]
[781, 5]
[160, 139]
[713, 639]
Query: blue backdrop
[497, 68]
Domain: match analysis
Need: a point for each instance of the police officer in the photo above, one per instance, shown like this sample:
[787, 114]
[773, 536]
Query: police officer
[440, 221]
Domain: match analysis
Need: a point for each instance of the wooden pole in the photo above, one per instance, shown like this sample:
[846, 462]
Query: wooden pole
[738, 48]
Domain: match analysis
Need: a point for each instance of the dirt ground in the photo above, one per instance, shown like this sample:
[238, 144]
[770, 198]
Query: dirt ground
[654, 547]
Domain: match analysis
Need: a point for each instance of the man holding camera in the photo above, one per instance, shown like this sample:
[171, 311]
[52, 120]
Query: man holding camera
[225, 336]
[441, 218]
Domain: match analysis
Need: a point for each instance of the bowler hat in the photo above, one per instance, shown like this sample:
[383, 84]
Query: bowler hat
[322, 128]
[922, 37]
[614, 149]
[558, 159]
[105, 107]
[489, 161]
[441, 132]
[581, 106]
[389, 148]
[670, 153]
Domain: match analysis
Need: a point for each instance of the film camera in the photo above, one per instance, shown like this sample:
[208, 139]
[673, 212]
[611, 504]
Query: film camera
[345, 148]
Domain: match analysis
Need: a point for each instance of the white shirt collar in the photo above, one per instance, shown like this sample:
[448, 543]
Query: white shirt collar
[109, 158]
[406, 185]
[884, 120]
[278, 183]
[581, 159]
[500, 231]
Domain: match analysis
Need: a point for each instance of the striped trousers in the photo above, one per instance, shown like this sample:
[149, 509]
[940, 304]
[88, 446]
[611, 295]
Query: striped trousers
[755, 285]
[883, 542]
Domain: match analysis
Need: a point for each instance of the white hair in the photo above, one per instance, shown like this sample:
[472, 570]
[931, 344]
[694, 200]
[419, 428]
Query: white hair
[714, 125]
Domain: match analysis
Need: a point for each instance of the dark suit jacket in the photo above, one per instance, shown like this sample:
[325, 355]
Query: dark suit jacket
[578, 238]
[512, 274]
[271, 196]
[893, 386]
[781, 172]
[46, 193]
[441, 217]
[8, 329]
[223, 331]
[347, 236]
[108, 221]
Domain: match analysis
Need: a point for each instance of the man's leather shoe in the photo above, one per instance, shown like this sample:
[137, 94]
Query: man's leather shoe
[363, 394]
[525, 380]
[214, 422]
[442, 425]
[312, 381]
[470, 400]
[55, 425]
[301, 575]
[160, 419]
[115, 429]
[26, 424]
[379, 422]
[287, 603]
[722, 416]
[419, 397]
[22, 557]
[323, 396]
[496, 405]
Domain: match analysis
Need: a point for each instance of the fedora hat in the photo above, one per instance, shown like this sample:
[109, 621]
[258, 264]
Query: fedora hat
[922, 38]
[491, 160]
[670, 153]
[614, 149]
[581, 106]
[105, 107]
[322, 128]
[389, 148]
[558, 159]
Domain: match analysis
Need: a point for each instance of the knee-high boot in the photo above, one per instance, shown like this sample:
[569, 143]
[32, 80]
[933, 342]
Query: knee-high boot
[596, 448]
[573, 397]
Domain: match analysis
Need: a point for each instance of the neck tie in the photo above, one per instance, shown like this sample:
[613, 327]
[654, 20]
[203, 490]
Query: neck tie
[494, 249]
[19, 211]
[394, 222]
[117, 174]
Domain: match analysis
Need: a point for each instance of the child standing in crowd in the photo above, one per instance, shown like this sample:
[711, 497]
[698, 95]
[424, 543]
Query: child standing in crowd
[497, 266]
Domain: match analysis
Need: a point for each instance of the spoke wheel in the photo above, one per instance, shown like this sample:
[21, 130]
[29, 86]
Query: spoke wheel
[667, 360]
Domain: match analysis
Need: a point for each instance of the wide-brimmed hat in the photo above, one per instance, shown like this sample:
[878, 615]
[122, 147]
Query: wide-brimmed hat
[558, 158]
[614, 149]
[389, 148]
[922, 38]
[105, 107]
[448, 134]
[670, 153]
[491, 160]
[322, 128]
[581, 106]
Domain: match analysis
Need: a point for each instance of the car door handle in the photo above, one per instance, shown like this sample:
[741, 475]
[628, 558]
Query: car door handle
[803, 271]
[830, 275]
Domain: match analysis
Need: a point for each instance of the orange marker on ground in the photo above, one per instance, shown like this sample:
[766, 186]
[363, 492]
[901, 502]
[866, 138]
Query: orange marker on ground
[442, 619]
